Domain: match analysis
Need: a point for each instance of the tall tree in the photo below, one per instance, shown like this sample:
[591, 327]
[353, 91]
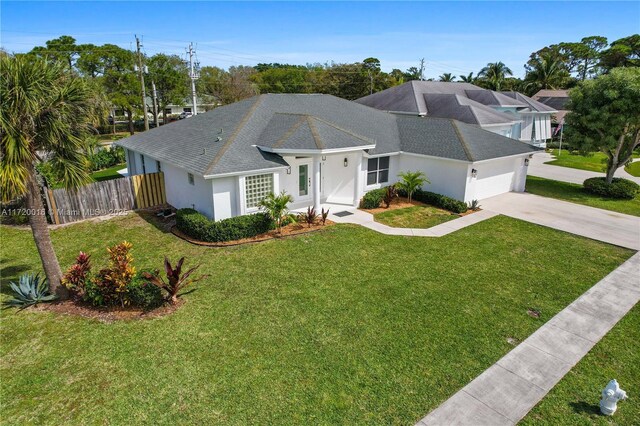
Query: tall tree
[546, 72]
[62, 49]
[447, 77]
[171, 77]
[624, 52]
[584, 56]
[120, 81]
[605, 116]
[468, 78]
[43, 109]
[494, 74]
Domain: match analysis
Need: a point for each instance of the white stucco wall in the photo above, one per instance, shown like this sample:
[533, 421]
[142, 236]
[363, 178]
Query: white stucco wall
[226, 201]
[447, 177]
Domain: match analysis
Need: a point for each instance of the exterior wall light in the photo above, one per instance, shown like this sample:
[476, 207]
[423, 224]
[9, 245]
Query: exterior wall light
[324, 158]
[526, 161]
[289, 170]
[346, 162]
[474, 173]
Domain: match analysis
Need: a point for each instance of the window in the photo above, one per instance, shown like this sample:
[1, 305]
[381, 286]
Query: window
[378, 170]
[168, 111]
[144, 169]
[186, 109]
[256, 188]
[191, 180]
[158, 166]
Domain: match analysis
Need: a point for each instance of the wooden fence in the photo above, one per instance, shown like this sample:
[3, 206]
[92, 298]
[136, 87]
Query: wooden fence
[115, 196]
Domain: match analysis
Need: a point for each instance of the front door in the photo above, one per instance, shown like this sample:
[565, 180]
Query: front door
[304, 182]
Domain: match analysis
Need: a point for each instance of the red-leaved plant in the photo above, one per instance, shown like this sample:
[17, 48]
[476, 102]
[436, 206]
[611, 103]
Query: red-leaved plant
[76, 276]
[176, 280]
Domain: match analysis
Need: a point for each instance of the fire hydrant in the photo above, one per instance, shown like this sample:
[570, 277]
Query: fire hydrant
[610, 397]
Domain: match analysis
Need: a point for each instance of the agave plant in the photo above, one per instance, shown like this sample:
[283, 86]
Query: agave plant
[474, 205]
[176, 280]
[30, 290]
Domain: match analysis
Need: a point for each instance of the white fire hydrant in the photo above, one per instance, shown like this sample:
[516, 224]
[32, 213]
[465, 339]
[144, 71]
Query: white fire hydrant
[610, 397]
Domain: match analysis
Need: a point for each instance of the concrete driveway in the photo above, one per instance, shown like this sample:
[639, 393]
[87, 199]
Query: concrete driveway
[537, 167]
[602, 225]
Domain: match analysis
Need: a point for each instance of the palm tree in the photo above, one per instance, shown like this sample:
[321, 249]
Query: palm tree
[44, 111]
[495, 73]
[468, 78]
[447, 77]
[545, 72]
[411, 182]
[276, 206]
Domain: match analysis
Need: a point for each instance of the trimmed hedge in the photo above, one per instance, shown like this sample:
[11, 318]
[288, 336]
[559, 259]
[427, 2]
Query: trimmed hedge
[372, 199]
[438, 200]
[618, 188]
[198, 226]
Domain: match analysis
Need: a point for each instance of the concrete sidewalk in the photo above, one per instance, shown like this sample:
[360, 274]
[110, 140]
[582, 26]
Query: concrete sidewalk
[567, 174]
[509, 389]
[362, 218]
[602, 225]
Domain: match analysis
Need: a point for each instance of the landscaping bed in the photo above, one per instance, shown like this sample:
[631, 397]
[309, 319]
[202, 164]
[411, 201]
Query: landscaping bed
[346, 326]
[105, 314]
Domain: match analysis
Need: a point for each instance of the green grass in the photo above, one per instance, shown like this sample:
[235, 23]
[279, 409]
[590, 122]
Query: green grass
[574, 401]
[594, 163]
[633, 169]
[414, 217]
[576, 194]
[344, 326]
[108, 174]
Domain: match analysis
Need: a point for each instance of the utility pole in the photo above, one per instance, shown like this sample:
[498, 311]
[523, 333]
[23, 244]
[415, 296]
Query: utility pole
[141, 71]
[193, 75]
[422, 69]
[155, 103]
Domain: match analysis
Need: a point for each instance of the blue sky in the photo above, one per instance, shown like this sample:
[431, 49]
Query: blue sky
[457, 37]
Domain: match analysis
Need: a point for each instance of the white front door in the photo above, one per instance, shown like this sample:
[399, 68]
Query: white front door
[304, 182]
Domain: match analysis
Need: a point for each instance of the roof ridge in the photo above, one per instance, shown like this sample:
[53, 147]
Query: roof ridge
[233, 136]
[355, 135]
[314, 133]
[415, 96]
[463, 142]
[291, 131]
[469, 107]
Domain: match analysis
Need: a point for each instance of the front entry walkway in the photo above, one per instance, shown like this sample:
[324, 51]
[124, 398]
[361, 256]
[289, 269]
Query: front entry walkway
[509, 389]
[602, 225]
[358, 217]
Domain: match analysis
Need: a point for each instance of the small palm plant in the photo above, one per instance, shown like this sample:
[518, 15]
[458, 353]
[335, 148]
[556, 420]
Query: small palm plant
[411, 181]
[30, 290]
[176, 280]
[277, 207]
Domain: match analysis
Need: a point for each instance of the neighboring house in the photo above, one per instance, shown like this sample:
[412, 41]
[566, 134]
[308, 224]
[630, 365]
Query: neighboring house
[556, 99]
[204, 102]
[320, 149]
[510, 114]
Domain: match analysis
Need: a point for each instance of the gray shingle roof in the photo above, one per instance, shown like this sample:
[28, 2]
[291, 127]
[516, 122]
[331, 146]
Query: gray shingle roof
[445, 105]
[531, 103]
[226, 139]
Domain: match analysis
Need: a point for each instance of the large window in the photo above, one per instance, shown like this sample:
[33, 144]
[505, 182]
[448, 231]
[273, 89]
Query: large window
[378, 170]
[256, 188]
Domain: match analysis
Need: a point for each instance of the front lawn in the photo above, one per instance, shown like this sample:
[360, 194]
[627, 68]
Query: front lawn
[593, 163]
[575, 399]
[108, 174]
[576, 194]
[633, 169]
[342, 326]
[414, 217]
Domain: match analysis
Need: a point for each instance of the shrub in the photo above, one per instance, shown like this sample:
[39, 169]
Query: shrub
[144, 294]
[30, 290]
[390, 193]
[176, 280]
[112, 282]
[618, 188]
[372, 199]
[309, 217]
[76, 277]
[106, 157]
[198, 226]
[439, 200]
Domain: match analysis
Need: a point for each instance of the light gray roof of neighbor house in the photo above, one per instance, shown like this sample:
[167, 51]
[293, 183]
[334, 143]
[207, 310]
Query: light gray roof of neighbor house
[410, 97]
[533, 104]
[441, 137]
[458, 107]
[226, 139]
